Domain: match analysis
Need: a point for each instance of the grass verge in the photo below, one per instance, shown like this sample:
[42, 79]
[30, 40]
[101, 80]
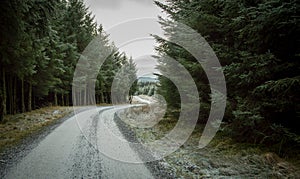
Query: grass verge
[14, 128]
[223, 157]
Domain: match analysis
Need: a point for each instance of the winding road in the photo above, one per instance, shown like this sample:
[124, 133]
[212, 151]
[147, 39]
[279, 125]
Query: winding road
[86, 145]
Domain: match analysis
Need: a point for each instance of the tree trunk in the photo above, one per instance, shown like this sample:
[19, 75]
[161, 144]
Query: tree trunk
[62, 100]
[97, 99]
[1, 106]
[78, 102]
[101, 97]
[10, 95]
[4, 92]
[73, 97]
[91, 98]
[29, 97]
[55, 98]
[23, 95]
[67, 100]
[105, 97]
[108, 98]
[15, 96]
[2, 96]
[34, 102]
[85, 97]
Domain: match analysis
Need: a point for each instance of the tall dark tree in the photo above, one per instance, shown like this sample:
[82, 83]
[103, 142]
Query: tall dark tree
[257, 42]
[41, 42]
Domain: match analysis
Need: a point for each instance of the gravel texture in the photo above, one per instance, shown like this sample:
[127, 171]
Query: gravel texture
[15, 153]
[223, 158]
[157, 168]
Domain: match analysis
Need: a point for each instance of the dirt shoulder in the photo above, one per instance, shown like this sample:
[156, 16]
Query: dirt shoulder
[222, 158]
[20, 133]
[14, 128]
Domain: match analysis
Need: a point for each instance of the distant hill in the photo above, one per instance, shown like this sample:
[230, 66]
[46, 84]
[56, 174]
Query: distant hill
[147, 79]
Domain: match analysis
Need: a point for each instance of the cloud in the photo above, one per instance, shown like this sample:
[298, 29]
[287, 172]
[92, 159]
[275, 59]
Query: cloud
[144, 1]
[112, 4]
[94, 4]
[146, 65]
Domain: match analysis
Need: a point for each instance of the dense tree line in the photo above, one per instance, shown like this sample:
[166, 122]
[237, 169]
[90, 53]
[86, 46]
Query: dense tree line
[257, 43]
[124, 83]
[146, 88]
[40, 44]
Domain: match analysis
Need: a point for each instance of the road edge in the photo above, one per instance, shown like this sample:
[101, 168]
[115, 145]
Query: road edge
[15, 153]
[155, 167]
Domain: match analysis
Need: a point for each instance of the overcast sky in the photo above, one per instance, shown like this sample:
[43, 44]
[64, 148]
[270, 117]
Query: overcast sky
[129, 24]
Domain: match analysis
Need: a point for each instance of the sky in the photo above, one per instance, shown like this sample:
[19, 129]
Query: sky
[129, 24]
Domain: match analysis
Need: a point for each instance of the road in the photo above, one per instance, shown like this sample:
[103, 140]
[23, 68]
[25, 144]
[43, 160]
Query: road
[86, 145]
[140, 100]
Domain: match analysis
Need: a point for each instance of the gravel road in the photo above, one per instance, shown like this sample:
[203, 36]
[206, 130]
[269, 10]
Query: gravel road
[87, 145]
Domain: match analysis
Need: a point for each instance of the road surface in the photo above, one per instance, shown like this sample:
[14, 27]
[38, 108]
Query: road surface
[82, 148]
[140, 100]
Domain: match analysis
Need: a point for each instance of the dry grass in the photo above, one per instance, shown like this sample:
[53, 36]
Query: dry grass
[222, 157]
[16, 127]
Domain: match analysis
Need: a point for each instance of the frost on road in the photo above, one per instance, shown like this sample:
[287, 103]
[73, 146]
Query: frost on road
[82, 148]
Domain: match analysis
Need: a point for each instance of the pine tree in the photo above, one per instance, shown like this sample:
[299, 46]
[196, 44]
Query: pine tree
[41, 43]
[256, 42]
